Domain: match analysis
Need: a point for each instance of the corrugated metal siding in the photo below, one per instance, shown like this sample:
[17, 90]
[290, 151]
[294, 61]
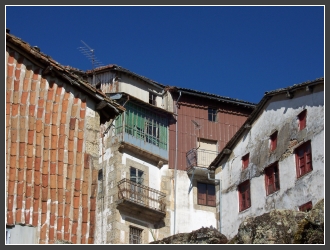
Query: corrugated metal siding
[230, 119]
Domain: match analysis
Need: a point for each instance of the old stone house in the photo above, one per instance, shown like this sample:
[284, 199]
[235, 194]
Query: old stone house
[147, 192]
[53, 136]
[276, 159]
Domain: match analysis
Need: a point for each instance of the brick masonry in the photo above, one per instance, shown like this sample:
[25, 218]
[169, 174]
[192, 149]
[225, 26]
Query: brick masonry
[50, 170]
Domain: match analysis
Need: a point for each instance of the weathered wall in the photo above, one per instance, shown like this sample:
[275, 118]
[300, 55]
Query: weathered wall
[188, 214]
[230, 119]
[51, 154]
[279, 114]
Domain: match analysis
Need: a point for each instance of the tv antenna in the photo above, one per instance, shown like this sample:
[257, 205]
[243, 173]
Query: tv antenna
[89, 53]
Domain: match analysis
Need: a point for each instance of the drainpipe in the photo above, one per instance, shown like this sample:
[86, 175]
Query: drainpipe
[176, 158]
[217, 181]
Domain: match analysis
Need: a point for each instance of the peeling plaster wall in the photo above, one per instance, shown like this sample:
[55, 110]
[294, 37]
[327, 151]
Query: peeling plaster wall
[189, 215]
[279, 114]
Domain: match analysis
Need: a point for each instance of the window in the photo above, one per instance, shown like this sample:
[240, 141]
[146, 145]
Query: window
[206, 194]
[245, 161]
[272, 179]
[244, 195]
[152, 99]
[136, 176]
[212, 114]
[143, 124]
[100, 180]
[273, 141]
[303, 159]
[306, 207]
[152, 135]
[135, 235]
[302, 119]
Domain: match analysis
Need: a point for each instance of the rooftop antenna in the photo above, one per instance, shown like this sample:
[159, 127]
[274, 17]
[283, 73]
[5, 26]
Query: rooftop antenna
[89, 53]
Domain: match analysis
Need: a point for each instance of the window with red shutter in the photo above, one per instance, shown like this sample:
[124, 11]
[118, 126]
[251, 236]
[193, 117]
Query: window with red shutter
[306, 207]
[302, 119]
[245, 161]
[273, 141]
[303, 159]
[206, 194]
[272, 181]
[244, 195]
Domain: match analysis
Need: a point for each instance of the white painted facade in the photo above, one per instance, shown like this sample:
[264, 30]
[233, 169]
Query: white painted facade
[189, 215]
[279, 113]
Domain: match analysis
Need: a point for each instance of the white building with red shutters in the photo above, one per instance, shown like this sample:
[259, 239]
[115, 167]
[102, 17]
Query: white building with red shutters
[276, 159]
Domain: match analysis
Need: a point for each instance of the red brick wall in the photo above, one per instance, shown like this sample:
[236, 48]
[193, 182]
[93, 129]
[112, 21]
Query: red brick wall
[50, 179]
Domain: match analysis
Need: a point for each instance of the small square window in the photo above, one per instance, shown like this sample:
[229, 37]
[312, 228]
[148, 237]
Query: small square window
[206, 194]
[306, 207]
[212, 114]
[272, 179]
[303, 159]
[302, 119]
[273, 141]
[245, 161]
[135, 235]
[244, 195]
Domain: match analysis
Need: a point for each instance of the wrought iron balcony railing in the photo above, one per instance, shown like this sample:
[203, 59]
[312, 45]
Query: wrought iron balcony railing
[141, 195]
[201, 158]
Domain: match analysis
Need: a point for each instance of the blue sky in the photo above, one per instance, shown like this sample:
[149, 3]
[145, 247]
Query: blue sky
[233, 51]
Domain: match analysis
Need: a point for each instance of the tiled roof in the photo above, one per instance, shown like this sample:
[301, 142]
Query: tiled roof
[174, 88]
[63, 71]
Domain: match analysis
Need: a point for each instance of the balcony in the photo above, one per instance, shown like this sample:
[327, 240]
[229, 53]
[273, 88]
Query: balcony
[141, 201]
[199, 159]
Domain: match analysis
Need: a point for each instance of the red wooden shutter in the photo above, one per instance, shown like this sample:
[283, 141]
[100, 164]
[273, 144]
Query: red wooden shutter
[273, 141]
[201, 193]
[308, 158]
[248, 198]
[245, 161]
[302, 119]
[211, 195]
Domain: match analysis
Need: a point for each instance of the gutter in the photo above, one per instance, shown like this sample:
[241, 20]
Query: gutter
[176, 159]
[216, 182]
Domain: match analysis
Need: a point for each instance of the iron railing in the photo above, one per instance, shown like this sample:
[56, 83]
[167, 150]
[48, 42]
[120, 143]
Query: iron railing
[202, 158]
[142, 195]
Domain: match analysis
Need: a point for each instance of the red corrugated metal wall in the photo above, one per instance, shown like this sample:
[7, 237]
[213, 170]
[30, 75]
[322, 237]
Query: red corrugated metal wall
[230, 118]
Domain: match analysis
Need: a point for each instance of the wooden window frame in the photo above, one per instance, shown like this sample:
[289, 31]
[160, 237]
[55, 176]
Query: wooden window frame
[206, 194]
[272, 178]
[212, 114]
[302, 119]
[303, 155]
[273, 141]
[306, 207]
[245, 161]
[244, 195]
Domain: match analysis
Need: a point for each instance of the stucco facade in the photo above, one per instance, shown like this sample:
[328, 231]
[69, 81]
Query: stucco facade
[277, 111]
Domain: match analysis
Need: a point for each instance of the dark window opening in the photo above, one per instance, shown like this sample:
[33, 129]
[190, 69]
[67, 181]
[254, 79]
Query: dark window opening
[135, 235]
[272, 179]
[302, 119]
[306, 207]
[206, 194]
[152, 99]
[245, 161]
[273, 141]
[212, 114]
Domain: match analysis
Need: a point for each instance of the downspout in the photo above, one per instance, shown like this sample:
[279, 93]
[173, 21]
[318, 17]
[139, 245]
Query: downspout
[176, 158]
[217, 181]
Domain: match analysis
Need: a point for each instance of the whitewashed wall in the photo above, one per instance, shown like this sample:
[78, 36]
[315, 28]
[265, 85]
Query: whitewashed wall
[293, 192]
